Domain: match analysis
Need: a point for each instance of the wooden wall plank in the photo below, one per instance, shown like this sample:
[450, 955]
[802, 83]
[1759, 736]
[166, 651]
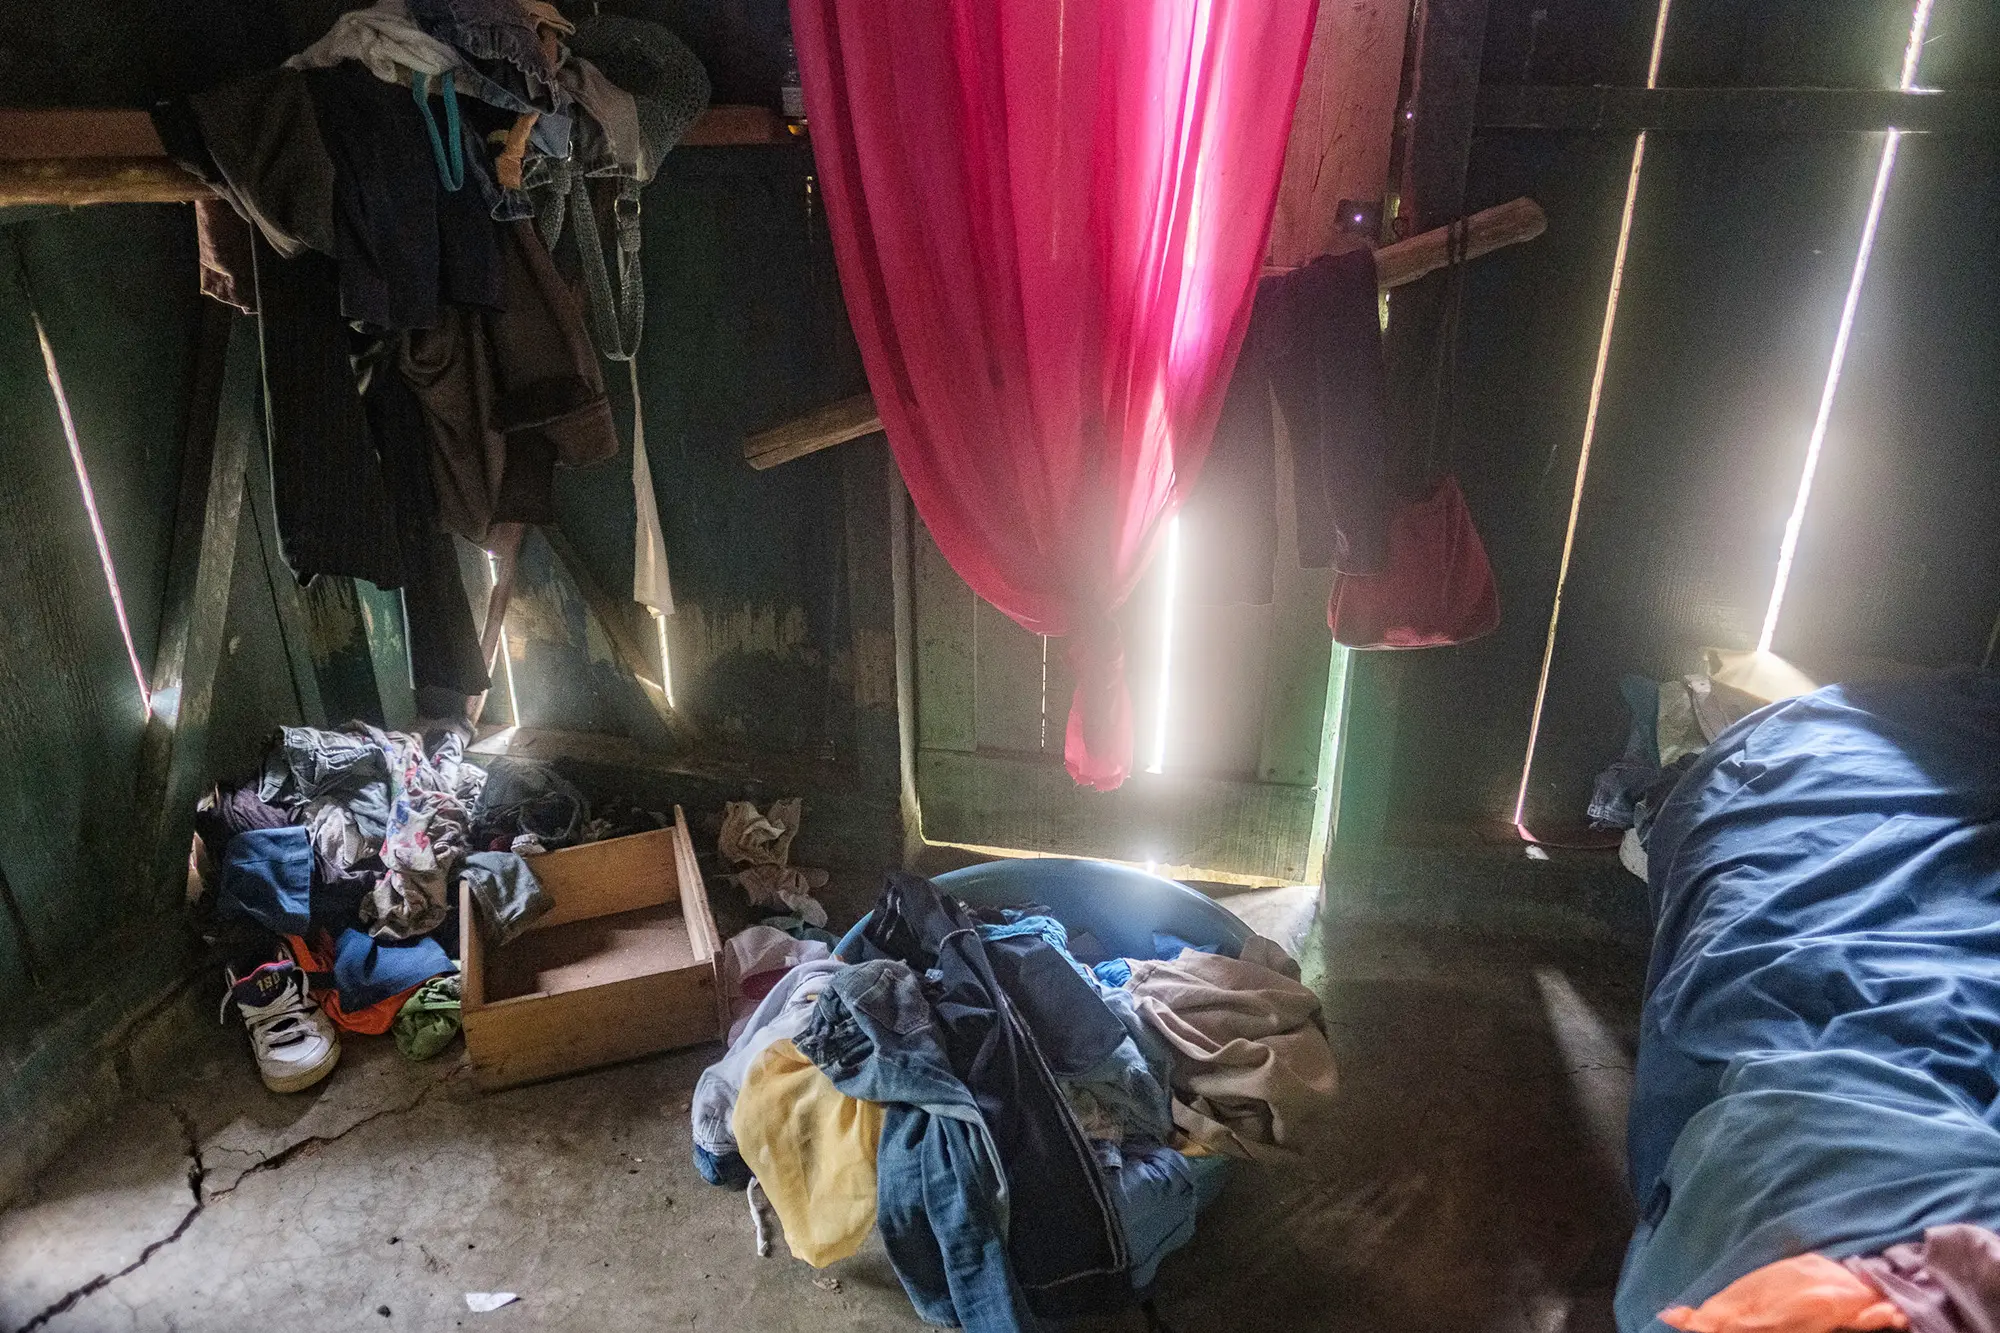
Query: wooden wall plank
[1300, 649]
[71, 712]
[945, 616]
[1007, 683]
[195, 610]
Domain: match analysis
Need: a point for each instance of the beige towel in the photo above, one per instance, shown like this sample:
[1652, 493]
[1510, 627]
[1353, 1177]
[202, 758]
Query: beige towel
[1253, 1074]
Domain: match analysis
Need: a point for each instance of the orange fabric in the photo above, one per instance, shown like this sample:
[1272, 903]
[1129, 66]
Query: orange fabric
[370, 1022]
[507, 166]
[1809, 1294]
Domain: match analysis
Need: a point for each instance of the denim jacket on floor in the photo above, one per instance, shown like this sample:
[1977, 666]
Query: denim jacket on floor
[941, 1197]
[1013, 1018]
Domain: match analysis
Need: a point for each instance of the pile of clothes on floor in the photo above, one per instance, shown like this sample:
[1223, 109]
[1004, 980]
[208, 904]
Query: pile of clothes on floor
[330, 882]
[410, 206]
[1031, 1126]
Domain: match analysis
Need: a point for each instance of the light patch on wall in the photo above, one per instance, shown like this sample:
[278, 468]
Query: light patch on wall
[666, 659]
[505, 654]
[90, 508]
[1885, 170]
[1169, 595]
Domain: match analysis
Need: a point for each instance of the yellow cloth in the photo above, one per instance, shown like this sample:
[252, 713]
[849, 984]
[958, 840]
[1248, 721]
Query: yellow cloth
[812, 1148]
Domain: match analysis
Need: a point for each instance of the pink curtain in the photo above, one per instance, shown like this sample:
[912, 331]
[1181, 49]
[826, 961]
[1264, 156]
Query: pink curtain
[1049, 217]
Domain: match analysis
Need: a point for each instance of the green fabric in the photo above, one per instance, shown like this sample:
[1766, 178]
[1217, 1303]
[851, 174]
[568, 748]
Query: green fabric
[428, 1020]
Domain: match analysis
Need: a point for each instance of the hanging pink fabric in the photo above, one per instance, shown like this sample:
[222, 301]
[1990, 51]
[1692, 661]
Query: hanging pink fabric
[1049, 217]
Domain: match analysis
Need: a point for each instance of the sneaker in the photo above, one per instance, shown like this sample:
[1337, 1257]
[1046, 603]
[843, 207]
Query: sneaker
[294, 1043]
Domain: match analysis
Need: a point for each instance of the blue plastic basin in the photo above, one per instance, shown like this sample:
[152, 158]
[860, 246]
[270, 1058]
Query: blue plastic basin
[1121, 906]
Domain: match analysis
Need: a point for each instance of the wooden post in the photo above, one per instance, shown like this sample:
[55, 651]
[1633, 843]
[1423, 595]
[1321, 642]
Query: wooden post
[287, 598]
[1339, 148]
[221, 423]
[848, 419]
[902, 552]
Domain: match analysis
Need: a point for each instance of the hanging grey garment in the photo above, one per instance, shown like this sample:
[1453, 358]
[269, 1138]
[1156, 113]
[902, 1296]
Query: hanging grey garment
[668, 89]
[508, 896]
[664, 77]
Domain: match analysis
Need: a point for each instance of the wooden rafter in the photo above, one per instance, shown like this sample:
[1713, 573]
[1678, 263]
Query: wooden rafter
[1397, 265]
[114, 156]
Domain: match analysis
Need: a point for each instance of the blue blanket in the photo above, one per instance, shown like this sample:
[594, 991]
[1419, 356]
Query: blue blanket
[1819, 1055]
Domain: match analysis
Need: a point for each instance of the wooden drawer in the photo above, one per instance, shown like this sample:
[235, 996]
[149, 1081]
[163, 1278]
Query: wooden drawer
[622, 966]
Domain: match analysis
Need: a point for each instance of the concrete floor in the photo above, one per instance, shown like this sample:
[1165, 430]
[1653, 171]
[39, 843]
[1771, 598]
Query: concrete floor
[1478, 1185]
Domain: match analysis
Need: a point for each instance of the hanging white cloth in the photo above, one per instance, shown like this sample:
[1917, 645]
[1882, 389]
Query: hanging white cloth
[651, 587]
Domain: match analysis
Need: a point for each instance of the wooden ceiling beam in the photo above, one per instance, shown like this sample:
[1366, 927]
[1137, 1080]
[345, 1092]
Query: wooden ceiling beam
[1396, 265]
[76, 156]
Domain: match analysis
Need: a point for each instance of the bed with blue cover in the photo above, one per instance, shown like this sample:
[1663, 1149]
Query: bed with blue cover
[1819, 1055]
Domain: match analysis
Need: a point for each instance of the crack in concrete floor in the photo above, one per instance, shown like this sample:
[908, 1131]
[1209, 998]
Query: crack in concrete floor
[196, 1175]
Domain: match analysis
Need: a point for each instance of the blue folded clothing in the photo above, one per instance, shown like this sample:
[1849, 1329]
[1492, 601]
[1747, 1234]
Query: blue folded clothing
[367, 970]
[268, 878]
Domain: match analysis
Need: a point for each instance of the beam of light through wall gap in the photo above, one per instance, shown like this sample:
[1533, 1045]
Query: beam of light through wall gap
[1168, 598]
[666, 658]
[506, 658]
[1885, 170]
[96, 519]
[1043, 742]
[1590, 422]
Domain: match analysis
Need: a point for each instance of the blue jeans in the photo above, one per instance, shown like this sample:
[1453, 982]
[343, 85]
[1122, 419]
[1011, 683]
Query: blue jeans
[941, 1198]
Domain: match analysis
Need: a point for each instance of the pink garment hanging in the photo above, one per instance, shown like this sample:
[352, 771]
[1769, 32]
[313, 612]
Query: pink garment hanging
[1049, 217]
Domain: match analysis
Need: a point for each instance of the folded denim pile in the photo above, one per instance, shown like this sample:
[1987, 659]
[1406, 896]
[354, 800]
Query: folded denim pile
[1031, 1138]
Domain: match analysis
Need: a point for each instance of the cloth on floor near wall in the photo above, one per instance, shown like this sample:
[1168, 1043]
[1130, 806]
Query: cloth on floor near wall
[362, 983]
[1015, 1018]
[753, 961]
[1253, 1073]
[812, 1148]
[1949, 1282]
[267, 877]
[506, 893]
[782, 1014]
[229, 810]
[430, 1018]
[942, 1199]
[527, 796]
[365, 791]
[1314, 352]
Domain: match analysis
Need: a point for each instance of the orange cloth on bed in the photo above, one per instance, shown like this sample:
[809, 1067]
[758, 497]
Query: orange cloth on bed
[1809, 1294]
